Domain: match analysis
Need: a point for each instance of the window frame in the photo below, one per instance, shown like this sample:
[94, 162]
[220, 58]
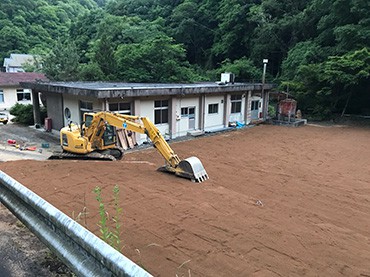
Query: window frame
[2, 98]
[211, 107]
[184, 111]
[121, 109]
[161, 108]
[236, 103]
[25, 93]
[84, 109]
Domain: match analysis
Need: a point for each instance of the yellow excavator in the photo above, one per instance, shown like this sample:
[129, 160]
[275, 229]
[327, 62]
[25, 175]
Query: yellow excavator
[96, 139]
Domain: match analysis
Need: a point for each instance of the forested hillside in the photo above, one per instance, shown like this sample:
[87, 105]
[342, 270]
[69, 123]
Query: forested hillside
[319, 49]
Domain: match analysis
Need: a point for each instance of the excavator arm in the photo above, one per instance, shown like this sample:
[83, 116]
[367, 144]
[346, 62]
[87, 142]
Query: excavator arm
[96, 124]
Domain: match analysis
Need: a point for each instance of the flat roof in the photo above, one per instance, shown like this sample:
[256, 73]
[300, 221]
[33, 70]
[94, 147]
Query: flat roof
[113, 90]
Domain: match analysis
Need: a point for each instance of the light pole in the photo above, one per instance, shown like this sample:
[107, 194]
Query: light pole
[264, 97]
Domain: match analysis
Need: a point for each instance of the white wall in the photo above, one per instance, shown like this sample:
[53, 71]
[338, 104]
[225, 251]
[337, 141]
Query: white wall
[147, 110]
[10, 98]
[72, 102]
[214, 121]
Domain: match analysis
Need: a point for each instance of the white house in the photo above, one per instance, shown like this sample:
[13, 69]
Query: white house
[16, 62]
[176, 109]
[11, 92]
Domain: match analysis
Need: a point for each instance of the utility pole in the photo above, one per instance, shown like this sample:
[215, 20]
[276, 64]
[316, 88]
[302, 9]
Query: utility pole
[264, 97]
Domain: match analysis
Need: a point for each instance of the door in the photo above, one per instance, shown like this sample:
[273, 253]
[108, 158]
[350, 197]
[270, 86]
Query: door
[254, 109]
[191, 118]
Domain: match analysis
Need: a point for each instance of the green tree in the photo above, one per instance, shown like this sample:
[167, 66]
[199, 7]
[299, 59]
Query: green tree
[243, 68]
[13, 39]
[329, 87]
[187, 21]
[104, 57]
[61, 64]
[302, 53]
[155, 60]
[90, 72]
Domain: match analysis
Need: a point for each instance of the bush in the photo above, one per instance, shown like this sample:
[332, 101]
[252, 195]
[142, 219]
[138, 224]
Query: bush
[24, 114]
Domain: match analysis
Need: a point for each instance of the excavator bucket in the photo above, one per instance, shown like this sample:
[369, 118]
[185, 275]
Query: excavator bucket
[192, 168]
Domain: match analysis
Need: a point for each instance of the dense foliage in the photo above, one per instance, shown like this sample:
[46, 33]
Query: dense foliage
[23, 114]
[319, 49]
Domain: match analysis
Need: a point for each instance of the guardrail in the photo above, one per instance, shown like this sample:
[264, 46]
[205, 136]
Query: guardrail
[83, 252]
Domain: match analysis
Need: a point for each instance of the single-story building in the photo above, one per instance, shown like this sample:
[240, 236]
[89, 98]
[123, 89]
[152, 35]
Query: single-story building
[176, 109]
[11, 92]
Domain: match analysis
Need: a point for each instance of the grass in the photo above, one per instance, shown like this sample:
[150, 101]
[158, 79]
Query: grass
[112, 236]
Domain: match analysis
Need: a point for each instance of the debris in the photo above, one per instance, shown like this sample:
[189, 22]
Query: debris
[12, 141]
[259, 203]
[45, 145]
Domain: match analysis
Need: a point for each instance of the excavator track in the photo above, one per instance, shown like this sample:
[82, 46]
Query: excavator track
[90, 156]
[112, 154]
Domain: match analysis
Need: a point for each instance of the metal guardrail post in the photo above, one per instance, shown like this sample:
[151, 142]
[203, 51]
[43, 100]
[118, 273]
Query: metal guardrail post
[83, 252]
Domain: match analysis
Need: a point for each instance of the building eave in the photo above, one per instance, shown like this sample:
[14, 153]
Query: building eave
[114, 90]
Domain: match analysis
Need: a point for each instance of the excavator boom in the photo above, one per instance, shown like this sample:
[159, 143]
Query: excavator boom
[96, 137]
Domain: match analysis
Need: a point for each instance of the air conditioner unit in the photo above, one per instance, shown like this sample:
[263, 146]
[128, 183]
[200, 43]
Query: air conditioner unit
[227, 77]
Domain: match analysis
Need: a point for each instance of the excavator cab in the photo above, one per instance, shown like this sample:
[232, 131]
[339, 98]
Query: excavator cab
[109, 136]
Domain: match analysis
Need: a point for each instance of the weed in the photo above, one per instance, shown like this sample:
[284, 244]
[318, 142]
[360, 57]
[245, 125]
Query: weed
[112, 237]
[81, 215]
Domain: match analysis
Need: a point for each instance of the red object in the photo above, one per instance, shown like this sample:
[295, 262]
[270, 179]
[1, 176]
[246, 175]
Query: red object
[48, 124]
[287, 107]
[12, 141]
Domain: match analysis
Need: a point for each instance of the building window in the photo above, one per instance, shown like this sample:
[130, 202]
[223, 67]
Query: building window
[254, 105]
[85, 107]
[23, 95]
[236, 103]
[160, 111]
[122, 108]
[212, 108]
[1, 96]
[67, 114]
[185, 112]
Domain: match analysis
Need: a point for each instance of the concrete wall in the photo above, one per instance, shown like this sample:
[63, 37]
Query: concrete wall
[54, 103]
[214, 121]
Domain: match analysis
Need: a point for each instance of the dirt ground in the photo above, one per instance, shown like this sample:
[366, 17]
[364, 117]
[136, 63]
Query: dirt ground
[26, 137]
[22, 254]
[280, 201]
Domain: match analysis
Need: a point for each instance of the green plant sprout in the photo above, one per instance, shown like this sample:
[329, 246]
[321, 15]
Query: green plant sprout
[110, 236]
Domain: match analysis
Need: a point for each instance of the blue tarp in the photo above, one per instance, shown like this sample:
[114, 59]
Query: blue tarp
[239, 125]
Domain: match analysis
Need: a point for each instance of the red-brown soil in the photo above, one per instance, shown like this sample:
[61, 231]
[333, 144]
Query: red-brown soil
[280, 202]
